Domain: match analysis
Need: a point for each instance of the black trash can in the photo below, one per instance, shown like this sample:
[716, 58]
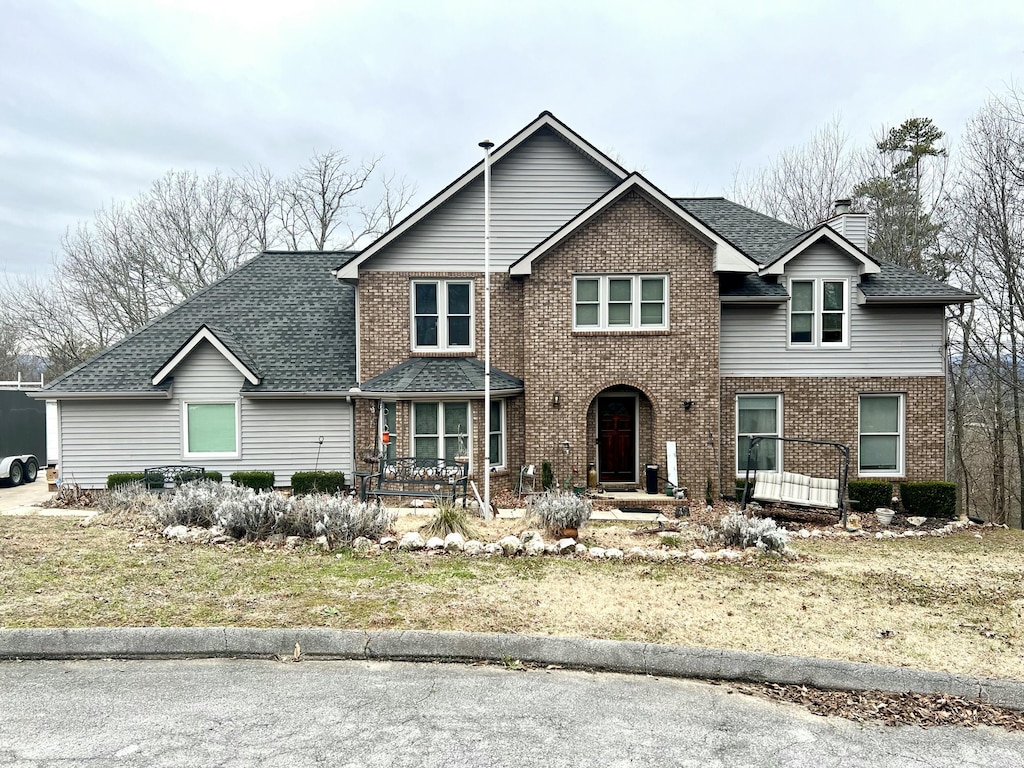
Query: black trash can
[652, 478]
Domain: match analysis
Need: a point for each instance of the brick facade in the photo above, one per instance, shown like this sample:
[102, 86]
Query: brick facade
[827, 408]
[664, 368]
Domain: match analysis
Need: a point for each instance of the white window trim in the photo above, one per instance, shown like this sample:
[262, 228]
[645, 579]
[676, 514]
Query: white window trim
[442, 315]
[503, 464]
[185, 453]
[602, 302]
[816, 316]
[441, 434]
[901, 441]
[741, 471]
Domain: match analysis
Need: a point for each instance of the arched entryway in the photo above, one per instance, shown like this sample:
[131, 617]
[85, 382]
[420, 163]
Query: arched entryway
[620, 419]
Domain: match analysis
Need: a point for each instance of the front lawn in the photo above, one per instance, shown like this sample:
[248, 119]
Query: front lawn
[951, 603]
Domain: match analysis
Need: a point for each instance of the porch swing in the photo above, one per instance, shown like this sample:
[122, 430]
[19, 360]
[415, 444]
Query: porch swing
[795, 489]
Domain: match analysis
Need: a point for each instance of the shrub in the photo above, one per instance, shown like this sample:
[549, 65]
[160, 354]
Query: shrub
[127, 499]
[257, 479]
[450, 518]
[123, 478]
[547, 475]
[194, 503]
[212, 474]
[314, 482]
[557, 509]
[249, 514]
[340, 518]
[869, 495]
[737, 530]
[931, 499]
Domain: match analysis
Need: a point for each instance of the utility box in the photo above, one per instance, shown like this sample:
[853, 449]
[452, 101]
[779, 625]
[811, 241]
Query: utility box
[651, 478]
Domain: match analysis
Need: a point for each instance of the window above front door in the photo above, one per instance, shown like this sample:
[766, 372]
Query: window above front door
[442, 315]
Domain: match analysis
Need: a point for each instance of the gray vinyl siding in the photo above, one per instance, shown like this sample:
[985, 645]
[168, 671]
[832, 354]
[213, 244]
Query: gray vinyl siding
[534, 191]
[884, 340]
[99, 437]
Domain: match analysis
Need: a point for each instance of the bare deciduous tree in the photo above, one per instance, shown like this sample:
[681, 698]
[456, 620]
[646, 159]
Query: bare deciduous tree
[801, 184]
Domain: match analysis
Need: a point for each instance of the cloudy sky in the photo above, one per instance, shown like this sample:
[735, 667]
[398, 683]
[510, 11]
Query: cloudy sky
[100, 97]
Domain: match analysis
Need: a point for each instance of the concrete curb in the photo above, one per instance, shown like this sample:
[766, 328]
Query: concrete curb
[568, 652]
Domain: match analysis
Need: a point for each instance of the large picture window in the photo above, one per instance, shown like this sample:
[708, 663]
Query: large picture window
[442, 315]
[881, 435]
[620, 302]
[210, 430]
[758, 416]
[819, 313]
[440, 430]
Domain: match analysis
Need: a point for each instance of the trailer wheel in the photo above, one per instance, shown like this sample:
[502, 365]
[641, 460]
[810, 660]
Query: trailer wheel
[31, 470]
[17, 473]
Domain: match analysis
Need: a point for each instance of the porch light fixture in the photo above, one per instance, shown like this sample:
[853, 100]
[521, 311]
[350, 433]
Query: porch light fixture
[687, 405]
[556, 399]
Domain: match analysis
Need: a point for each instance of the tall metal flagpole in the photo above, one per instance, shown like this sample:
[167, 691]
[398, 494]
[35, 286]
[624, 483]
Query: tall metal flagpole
[486, 145]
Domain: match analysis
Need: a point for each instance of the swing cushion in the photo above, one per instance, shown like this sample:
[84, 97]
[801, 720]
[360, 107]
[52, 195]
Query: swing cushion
[767, 486]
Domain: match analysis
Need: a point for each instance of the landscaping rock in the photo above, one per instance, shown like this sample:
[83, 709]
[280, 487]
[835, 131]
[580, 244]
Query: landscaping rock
[635, 553]
[321, 542]
[510, 545]
[412, 542]
[291, 542]
[566, 545]
[697, 554]
[580, 549]
[179, 532]
[494, 548]
[917, 521]
[534, 546]
[473, 548]
[362, 544]
[727, 555]
[596, 552]
[276, 540]
[526, 536]
[434, 543]
[613, 554]
[454, 542]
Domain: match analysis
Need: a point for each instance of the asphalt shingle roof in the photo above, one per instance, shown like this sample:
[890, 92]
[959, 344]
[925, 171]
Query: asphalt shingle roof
[440, 374]
[283, 314]
[765, 240]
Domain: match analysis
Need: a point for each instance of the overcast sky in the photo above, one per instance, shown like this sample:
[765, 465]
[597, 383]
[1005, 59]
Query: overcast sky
[97, 99]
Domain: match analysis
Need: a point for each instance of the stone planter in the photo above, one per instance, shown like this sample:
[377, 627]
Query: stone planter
[884, 516]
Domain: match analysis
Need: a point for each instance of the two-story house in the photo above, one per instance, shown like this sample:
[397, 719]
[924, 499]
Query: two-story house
[622, 321]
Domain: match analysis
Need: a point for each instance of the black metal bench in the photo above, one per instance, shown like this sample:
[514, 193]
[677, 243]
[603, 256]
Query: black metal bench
[416, 477]
[171, 476]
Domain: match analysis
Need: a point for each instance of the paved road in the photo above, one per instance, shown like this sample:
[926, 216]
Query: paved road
[243, 713]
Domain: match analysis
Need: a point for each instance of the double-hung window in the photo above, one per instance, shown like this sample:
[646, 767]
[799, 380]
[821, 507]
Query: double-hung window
[620, 302]
[210, 430]
[497, 436]
[881, 435]
[758, 416]
[442, 315]
[440, 430]
[819, 313]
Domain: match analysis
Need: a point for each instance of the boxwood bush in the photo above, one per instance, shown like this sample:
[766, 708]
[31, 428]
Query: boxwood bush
[931, 499]
[869, 495]
[123, 478]
[212, 474]
[257, 479]
[318, 482]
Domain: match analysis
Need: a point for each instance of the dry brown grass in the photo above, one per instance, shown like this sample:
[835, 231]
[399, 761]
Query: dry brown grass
[950, 604]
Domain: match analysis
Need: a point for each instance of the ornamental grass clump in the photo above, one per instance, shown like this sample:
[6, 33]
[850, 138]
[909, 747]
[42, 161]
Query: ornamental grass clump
[192, 504]
[340, 518]
[557, 510]
[449, 518]
[737, 530]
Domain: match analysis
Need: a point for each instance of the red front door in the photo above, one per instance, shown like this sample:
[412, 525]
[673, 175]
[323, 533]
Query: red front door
[616, 439]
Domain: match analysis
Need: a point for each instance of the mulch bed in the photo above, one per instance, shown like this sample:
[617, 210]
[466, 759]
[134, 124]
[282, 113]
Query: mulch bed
[892, 709]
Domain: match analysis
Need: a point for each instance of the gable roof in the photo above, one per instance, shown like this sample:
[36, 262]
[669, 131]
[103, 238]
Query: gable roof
[441, 376]
[224, 342]
[350, 269]
[776, 265]
[281, 315]
[727, 257]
